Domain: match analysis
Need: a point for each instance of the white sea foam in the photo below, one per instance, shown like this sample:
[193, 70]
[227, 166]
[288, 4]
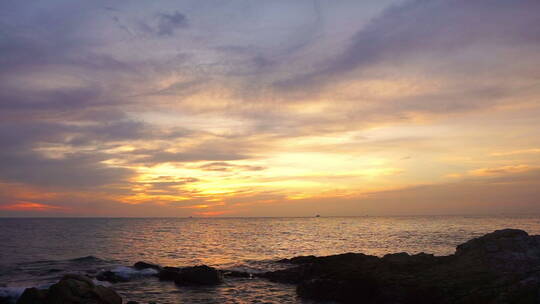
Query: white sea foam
[130, 272]
[102, 283]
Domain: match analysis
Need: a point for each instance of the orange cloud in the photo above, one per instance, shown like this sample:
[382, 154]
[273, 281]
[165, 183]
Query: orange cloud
[500, 170]
[516, 152]
[29, 206]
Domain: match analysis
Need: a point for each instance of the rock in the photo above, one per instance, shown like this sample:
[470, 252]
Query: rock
[500, 267]
[237, 274]
[144, 265]
[109, 276]
[299, 260]
[196, 275]
[508, 250]
[33, 296]
[199, 275]
[168, 273]
[107, 295]
[71, 289]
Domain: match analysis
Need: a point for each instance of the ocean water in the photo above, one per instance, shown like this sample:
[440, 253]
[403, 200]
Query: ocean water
[38, 251]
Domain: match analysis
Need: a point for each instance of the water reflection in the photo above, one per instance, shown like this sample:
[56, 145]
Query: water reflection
[234, 241]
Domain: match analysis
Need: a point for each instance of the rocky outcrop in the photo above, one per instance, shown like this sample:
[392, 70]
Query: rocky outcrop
[196, 275]
[500, 267]
[168, 273]
[145, 265]
[71, 289]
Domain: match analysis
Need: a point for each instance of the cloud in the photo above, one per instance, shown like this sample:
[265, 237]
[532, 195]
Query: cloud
[515, 193]
[169, 23]
[103, 99]
[78, 170]
[156, 157]
[227, 167]
[439, 27]
[499, 170]
[517, 152]
[47, 154]
[29, 206]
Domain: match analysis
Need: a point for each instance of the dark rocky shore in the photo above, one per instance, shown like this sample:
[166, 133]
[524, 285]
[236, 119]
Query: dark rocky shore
[502, 267]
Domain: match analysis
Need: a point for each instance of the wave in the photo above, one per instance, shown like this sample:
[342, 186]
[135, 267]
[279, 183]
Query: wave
[128, 273]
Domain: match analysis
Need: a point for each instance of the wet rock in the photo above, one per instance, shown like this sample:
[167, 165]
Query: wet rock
[33, 296]
[237, 274]
[168, 273]
[71, 289]
[196, 275]
[144, 265]
[508, 250]
[199, 275]
[81, 289]
[299, 260]
[500, 267]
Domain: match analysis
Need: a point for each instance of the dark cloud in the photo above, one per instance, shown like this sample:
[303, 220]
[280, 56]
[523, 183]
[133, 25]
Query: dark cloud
[24, 162]
[192, 155]
[425, 26]
[57, 100]
[77, 170]
[26, 135]
[169, 23]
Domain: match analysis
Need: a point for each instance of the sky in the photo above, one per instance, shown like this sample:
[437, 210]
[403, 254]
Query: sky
[269, 108]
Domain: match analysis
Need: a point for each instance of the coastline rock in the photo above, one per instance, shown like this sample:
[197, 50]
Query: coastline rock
[199, 275]
[499, 267]
[508, 250]
[195, 275]
[33, 296]
[236, 274]
[299, 260]
[71, 289]
[168, 273]
[144, 265]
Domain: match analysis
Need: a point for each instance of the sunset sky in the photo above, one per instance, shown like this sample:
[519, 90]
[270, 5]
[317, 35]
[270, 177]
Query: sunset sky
[269, 108]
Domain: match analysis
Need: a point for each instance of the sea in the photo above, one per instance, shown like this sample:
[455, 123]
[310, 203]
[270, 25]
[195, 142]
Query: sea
[36, 252]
